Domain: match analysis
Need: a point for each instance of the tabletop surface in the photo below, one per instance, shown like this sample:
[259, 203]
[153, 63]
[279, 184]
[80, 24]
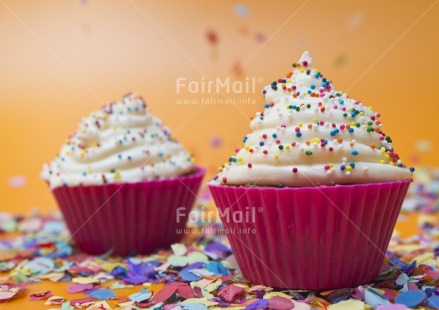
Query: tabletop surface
[43, 272]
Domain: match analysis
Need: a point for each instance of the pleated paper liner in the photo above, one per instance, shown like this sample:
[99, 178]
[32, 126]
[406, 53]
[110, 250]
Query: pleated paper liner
[131, 218]
[314, 238]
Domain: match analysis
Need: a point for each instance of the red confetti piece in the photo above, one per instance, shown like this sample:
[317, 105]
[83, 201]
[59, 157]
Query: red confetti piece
[231, 293]
[40, 295]
[182, 289]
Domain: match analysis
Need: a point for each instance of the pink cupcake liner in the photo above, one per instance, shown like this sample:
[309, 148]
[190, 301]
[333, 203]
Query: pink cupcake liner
[128, 218]
[313, 238]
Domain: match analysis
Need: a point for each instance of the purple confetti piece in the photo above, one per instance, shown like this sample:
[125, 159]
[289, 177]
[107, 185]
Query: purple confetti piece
[258, 304]
[76, 288]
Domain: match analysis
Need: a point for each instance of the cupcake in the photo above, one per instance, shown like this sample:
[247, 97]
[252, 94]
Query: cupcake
[311, 200]
[123, 184]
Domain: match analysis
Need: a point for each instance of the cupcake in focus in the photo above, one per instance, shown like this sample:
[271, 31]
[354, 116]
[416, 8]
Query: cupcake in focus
[123, 184]
[323, 180]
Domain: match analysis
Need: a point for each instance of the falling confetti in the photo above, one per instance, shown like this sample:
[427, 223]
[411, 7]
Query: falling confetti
[238, 71]
[241, 10]
[17, 181]
[260, 37]
[341, 59]
[423, 146]
[212, 39]
[354, 21]
[216, 142]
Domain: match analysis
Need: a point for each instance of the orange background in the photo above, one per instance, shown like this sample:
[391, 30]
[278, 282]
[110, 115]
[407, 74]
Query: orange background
[59, 60]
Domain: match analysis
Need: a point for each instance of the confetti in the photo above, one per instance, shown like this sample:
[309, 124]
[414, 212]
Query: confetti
[411, 299]
[355, 20]
[18, 181]
[76, 287]
[348, 305]
[141, 296]
[210, 279]
[241, 10]
[40, 295]
[216, 142]
[231, 293]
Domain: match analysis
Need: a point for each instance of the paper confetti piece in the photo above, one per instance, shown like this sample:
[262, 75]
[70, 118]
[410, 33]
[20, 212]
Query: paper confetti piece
[143, 295]
[17, 181]
[301, 305]
[241, 10]
[278, 294]
[82, 302]
[433, 301]
[102, 294]
[100, 305]
[205, 302]
[231, 293]
[178, 261]
[76, 288]
[216, 142]
[348, 305]
[67, 306]
[411, 299]
[196, 257]
[85, 280]
[391, 307]
[179, 249]
[182, 289]
[40, 295]
[354, 21]
[39, 265]
[258, 304]
[55, 300]
[373, 298]
[5, 295]
[280, 303]
[193, 306]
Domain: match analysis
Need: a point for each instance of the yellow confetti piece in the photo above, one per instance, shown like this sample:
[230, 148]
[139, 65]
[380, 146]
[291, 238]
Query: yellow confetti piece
[279, 294]
[423, 258]
[108, 267]
[54, 300]
[201, 283]
[85, 280]
[202, 301]
[197, 257]
[213, 286]
[348, 305]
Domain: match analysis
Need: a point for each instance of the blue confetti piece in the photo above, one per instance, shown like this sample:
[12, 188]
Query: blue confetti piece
[102, 294]
[186, 275]
[241, 10]
[411, 299]
[373, 298]
[119, 272]
[217, 268]
[54, 227]
[433, 302]
[40, 265]
[193, 306]
[141, 296]
[259, 304]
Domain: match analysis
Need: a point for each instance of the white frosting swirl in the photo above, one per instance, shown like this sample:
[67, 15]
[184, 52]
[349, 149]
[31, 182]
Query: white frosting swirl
[310, 134]
[121, 142]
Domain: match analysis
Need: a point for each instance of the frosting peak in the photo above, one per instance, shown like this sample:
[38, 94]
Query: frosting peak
[121, 142]
[310, 134]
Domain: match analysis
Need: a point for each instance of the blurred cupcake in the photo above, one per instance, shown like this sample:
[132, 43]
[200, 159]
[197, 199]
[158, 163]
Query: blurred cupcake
[123, 184]
[311, 200]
